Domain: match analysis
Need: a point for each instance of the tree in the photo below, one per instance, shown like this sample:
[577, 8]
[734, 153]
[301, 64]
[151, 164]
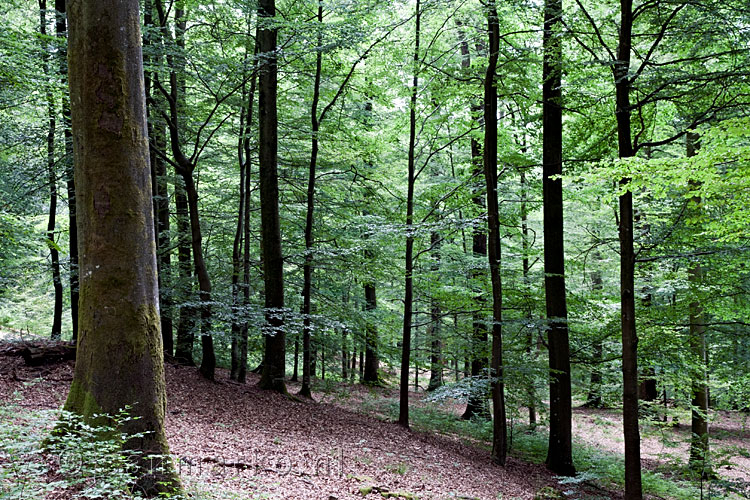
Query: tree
[499, 426]
[61, 30]
[559, 452]
[403, 411]
[51, 178]
[120, 361]
[274, 362]
[185, 166]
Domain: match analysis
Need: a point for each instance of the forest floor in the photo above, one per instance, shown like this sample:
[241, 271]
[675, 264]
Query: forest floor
[235, 441]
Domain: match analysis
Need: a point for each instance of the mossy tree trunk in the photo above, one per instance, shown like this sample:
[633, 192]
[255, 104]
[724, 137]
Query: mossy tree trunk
[119, 360]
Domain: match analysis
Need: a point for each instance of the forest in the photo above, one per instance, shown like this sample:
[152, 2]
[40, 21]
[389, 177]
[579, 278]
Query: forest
[416, 249]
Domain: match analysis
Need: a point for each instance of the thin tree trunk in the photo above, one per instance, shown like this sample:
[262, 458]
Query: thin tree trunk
[242, 373]
[239, 234]
[208, 362]
[273, 271]
[499, 428]
[403, 412]
[61, 30]
[631, 432]
[309, 219]
[560, 451]
[477, 404]
[51, 178]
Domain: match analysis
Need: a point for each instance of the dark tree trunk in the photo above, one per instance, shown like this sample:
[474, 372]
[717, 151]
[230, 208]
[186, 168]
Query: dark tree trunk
[120, 357]
[433, 333]
[242, 373]
[273, 263]
[295, 372]
[371, 335]
[239, 340]
[477, 404]
[499, 428]
[51, 178]
[560, 451]
[158, 142]
[208, 362]
[186, 320]
[309, 219]
[403, 411]
[61, 30]
[631, 432]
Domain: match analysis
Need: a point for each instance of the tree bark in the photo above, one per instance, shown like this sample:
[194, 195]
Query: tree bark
[403, 412]
[120, 357]
[499, 427]
[560, 451]
[273, 262]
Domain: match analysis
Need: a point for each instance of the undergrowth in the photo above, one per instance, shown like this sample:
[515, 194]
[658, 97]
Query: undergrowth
[83, 462]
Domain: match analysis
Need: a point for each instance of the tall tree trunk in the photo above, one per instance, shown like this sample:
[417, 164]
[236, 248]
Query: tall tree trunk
[499, 427]
[242, 373]
[477, 404]
[61, 30]
[51, 176]
[273, 264]
[237, 249]
[699, 385]
[164, 255]
[560, 451]
[239, 234]
[120, 359]
[403, 412]
[159, 188]
[631, 432]
[309, 218]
